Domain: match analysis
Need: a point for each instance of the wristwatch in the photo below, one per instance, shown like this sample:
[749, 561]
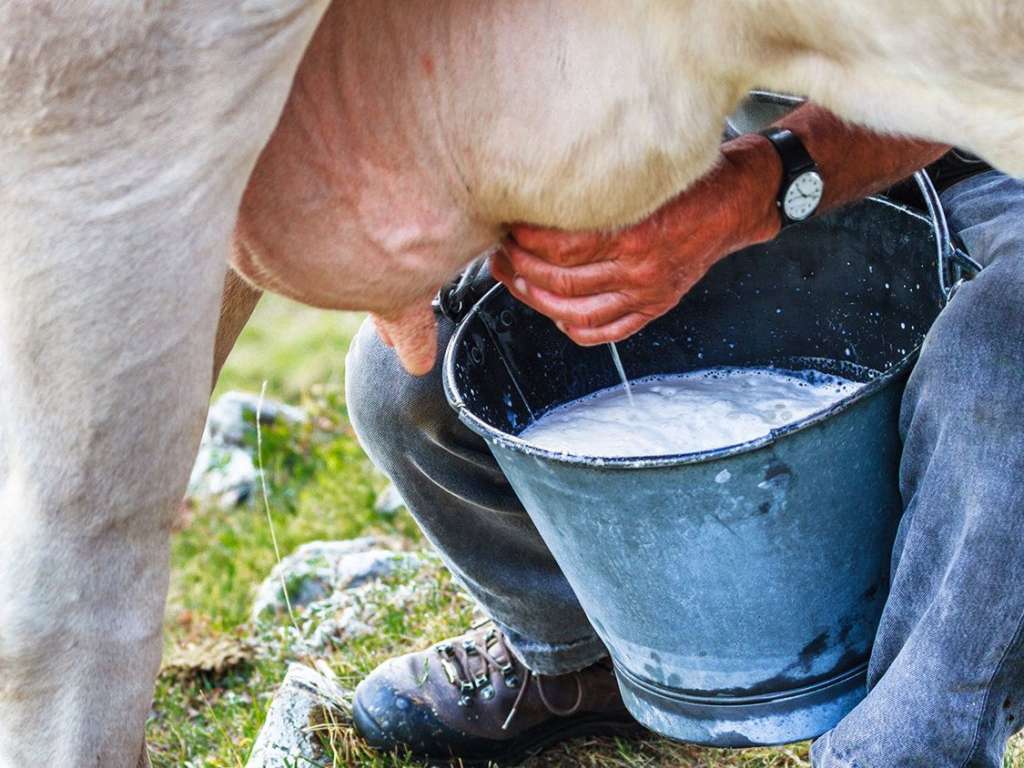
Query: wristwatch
[802, 185]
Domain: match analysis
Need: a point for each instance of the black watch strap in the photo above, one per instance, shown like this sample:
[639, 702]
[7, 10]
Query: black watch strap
[794, 156]
[795, 161]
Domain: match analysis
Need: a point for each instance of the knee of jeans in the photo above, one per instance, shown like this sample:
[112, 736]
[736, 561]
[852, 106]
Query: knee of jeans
[371, 378]
[385, 404]
[972, 355]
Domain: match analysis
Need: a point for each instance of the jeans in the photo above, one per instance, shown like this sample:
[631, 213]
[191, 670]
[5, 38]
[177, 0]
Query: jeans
[946, 674]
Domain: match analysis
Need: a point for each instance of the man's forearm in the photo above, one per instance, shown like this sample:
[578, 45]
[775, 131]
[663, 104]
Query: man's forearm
[853, 161]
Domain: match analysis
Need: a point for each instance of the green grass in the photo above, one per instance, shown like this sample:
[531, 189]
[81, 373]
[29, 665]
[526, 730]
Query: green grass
[321, 486]
[291, 347]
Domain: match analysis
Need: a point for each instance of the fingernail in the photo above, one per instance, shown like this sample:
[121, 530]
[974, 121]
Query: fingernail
[520, 285]
[560, 325]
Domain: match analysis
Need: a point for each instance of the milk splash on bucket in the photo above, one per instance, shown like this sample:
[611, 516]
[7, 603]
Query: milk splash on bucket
[692, 412]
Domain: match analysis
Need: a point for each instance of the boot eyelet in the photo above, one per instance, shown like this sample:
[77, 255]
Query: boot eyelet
[467, 690]
[450, 671]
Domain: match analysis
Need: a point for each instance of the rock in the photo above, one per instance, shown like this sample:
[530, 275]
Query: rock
[232, 417]
[342, 590]
[348, 615]
[225, 471]
[318, 571]
[223, 475]
[306, 699]
[389, 501]
[330, 623]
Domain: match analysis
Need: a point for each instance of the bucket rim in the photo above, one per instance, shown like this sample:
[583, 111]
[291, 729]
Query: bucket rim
[511, 442]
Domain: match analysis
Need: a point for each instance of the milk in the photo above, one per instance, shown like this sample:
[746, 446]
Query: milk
[617, 362]
[697, 411]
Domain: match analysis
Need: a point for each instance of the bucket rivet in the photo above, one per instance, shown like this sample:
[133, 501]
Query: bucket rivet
[476, 355]
[506, 318]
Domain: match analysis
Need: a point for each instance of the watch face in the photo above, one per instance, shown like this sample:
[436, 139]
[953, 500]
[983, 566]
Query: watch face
[803, 195]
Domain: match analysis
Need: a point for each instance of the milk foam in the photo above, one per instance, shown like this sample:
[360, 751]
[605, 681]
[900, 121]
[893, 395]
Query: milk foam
[697, 411]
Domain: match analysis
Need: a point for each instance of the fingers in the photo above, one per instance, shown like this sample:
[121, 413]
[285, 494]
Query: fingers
[594, 290]
[567, 249]
[582, 280]
[587, 320]
[617, 330]
[413, 334]
[584, 311]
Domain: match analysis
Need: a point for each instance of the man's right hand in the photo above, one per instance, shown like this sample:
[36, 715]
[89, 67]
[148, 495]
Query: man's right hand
[605, 286]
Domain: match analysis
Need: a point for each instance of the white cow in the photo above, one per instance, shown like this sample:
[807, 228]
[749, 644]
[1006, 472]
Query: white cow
[415, 129]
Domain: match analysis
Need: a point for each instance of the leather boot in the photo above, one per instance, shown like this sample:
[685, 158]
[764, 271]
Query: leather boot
[468, 699]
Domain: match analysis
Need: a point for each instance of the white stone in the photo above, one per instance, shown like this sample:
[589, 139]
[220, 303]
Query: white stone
[318, 570]
[228, 420]
[389, 501]
[224, 475]
[287, 736]
[225, 472]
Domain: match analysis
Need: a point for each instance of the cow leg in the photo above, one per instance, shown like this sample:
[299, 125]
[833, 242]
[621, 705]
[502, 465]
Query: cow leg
[103, 402]
[127, 136]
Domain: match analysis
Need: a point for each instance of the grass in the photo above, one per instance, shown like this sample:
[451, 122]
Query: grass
[292, 348]
[321, 486]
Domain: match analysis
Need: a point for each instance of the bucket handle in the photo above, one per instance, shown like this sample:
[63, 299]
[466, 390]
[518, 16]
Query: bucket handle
[953, 264]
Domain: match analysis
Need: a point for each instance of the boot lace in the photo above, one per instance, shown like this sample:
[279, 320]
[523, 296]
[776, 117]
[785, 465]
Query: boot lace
[469, 664]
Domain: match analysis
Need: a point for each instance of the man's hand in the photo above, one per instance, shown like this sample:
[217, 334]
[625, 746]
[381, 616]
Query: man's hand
[606, 286]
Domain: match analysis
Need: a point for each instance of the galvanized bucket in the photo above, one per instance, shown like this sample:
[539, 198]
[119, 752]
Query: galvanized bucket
[738, 591]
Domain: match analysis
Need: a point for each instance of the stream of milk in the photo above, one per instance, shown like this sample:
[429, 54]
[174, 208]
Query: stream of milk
[697, 411]
[617, 361]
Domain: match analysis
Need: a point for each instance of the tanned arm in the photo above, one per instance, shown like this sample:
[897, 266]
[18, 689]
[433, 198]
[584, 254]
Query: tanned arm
[854, 161]
[605, 286]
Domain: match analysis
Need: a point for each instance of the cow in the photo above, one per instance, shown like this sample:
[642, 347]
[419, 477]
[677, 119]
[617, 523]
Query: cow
[350, 155]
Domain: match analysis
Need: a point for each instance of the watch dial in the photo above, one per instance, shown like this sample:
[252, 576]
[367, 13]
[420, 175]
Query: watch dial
[803, 195]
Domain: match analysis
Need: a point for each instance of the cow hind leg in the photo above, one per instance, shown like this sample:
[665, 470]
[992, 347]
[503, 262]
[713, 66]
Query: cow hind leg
[104, 395]
[126, 139]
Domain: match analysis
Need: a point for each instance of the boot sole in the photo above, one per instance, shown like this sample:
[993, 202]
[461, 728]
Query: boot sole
[529, 744]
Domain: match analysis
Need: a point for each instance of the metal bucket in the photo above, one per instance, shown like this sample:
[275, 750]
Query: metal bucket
[739, 590]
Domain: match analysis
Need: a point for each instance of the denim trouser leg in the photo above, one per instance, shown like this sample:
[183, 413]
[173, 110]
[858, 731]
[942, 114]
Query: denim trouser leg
[465, 506]
[947, 670]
